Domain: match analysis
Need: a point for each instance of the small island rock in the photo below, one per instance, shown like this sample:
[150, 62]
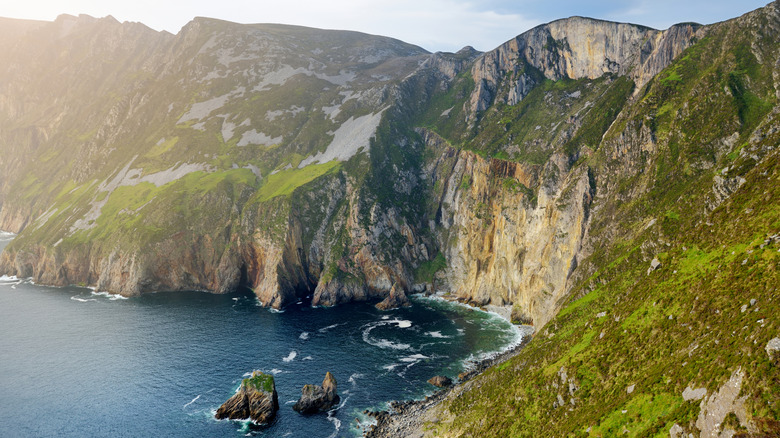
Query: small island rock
[440, 381]
[256, 400]
[315, 398]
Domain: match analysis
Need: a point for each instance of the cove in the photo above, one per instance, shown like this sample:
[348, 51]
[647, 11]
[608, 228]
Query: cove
[79, 363]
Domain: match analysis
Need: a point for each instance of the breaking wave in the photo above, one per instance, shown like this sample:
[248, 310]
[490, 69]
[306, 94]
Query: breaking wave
[290, 356]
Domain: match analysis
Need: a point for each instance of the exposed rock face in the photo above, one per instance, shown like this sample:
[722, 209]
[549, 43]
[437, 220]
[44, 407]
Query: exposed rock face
[279, 247]
[396, 299]
[256, 399]
[502, 246]
[512, 232]
[654, 264]
[715, 408]
[440, 381]
[773, 348]
[315, 398]
[575, 48]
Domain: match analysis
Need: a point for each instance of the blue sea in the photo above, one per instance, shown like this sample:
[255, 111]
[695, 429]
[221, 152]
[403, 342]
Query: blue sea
[76, 363]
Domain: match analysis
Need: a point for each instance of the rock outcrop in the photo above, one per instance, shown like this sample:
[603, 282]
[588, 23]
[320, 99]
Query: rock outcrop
[773, 348]
[574, 48]
[256, 400]
[397, 298]
[440, 381]
[521, 255]
[316, 398]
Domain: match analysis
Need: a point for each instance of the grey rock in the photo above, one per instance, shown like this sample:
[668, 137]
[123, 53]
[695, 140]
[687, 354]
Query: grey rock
[694, 394]
[676, 431]
[717, 406]
[655, 264]
[315, 398]
[772, 347]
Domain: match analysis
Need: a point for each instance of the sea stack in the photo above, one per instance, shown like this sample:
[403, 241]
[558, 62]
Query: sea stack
[315, 398]
[256, 400]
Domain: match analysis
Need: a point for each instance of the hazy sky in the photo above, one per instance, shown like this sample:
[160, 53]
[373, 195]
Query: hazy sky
[445, 25]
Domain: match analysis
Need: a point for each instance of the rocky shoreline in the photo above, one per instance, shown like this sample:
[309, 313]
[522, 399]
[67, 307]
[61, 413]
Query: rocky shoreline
[406, 418]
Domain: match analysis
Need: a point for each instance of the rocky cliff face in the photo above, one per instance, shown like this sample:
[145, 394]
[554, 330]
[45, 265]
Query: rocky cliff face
[575, 48]
[616, 185]
[169, 207]
[290, 160]
[508, 245]
[660, 320]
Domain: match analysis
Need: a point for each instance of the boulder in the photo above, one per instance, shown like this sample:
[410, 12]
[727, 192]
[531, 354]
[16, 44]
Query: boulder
[315, 398]
[440, 381]
[773, 348]
[256, 400]
[655, 264]
[396, 299]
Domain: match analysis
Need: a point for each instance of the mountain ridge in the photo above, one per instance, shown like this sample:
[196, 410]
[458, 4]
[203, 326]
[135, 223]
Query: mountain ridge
[573, 170]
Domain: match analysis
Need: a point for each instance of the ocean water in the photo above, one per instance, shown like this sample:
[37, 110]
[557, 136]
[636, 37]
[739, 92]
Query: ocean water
[76, 363]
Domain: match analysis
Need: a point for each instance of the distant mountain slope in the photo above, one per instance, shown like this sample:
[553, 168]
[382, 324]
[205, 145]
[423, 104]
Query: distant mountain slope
[134, 159]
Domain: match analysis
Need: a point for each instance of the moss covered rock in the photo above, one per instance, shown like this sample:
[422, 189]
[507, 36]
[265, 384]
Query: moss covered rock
[256, 400]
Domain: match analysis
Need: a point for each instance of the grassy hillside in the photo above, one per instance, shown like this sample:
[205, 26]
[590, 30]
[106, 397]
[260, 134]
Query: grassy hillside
[688, 182]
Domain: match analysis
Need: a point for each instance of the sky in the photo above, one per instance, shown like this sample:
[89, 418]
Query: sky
[435, 25]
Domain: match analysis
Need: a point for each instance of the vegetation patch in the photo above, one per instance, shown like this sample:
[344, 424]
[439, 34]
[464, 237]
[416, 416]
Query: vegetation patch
[259, 382]
[285, 182]
[428, 269]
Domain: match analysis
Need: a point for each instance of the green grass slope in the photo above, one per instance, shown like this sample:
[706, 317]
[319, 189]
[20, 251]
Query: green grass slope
[688, 174]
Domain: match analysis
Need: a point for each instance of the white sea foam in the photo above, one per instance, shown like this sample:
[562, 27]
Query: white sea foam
[192, 401]
[272, 310]
[386, 317]
[82, 300]
[304, 336]
[332, 418]
[8, 278]
[276, 371]
[290, 356]
[497, 321]
[391, 367]
[6, 236]
[414, 358]
[112, 297]
[519, 334]
[437, 335]
[325, 329]
[353, 378]
[308, 358]
[382, 343]
[402, 323]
